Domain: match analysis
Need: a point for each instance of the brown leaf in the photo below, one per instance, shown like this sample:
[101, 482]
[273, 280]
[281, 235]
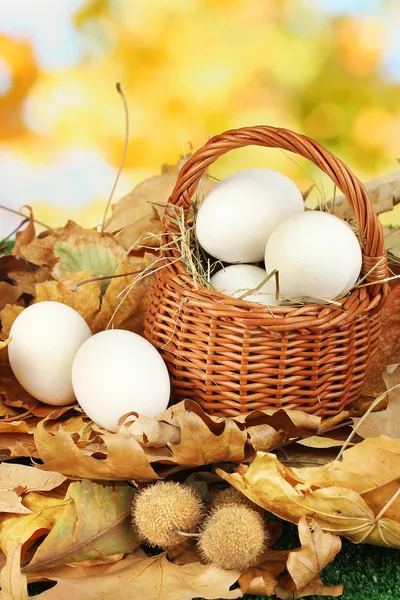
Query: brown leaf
[32, 479]
[262, 579]
[150, 578]
[190, 437]
[5, 343]
[40, 251]
[85, 299]
[10, 502]
[291, 494]
[388, 352]
[317, 550]
[8, 315]
[13, 445]
[26, 236]
[9, 294]
[384, 422]
[133, 215]
[125, 298]
[364, 466]
[95, 523]
[13, 583]
[314, 588]
[26, 281]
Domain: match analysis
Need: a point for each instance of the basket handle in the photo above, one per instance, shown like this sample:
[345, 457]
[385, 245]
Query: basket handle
[371, 234]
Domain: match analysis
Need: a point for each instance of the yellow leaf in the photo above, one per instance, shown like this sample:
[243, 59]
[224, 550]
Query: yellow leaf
[13, 583]
[339, 510]
[8, 315]
[26, 529]
[146, 577]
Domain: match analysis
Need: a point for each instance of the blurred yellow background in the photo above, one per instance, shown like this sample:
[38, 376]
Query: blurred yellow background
[189, 69]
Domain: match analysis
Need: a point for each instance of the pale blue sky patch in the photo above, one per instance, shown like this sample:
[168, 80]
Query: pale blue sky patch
[48, 24]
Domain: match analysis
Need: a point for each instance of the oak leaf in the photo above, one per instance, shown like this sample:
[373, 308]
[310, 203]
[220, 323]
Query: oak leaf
[262, 579]
[293, 493]
[384, 422]
[149, 577]
[184, 436]
[96, 522]
[315, 588]
[317, 550]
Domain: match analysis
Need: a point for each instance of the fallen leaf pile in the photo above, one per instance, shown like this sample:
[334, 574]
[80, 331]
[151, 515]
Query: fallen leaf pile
[65, 513]
[357, 497]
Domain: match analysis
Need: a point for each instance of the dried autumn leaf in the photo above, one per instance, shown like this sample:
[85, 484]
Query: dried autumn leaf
[40, 251]
[191, 438]
[288, 494]
[10, 502]
[149, 577]
[13, 445]
[314, 588]
[13, 583]
[8, 315]
[384, 422]
[26, 529]
[317, 550]
[26, 236]
[98, 256]
[262, 579]
[9, 294]
[85, 299]
[373, 462]
[133, 216]
[124, 303]
[95, 523]
[32, 479]
[388, 352]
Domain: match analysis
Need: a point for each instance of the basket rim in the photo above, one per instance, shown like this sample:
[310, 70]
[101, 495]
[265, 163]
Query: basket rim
[357, 304]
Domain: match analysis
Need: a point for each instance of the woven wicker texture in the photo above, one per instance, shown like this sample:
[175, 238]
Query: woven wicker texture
[234, 356]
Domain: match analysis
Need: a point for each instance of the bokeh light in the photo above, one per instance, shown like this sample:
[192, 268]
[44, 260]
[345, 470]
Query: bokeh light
[189, 69]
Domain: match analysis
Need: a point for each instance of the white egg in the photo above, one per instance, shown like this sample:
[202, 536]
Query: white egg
[237, 217]
[235, 280]
[317, 255]
[45, 338]
[116, 372]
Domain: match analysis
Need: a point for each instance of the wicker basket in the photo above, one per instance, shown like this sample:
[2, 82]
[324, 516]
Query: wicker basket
[233, 356]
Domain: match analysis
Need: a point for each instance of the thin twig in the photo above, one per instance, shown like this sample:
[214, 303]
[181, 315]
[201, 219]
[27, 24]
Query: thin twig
[124, 153]
[103, 277]
[21, 214]
[365, 415]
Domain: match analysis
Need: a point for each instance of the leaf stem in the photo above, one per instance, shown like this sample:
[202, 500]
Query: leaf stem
[365, 415]
[103, 277]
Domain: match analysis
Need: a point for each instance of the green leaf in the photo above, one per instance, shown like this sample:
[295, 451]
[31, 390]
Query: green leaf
[98, 257]
[96, 523]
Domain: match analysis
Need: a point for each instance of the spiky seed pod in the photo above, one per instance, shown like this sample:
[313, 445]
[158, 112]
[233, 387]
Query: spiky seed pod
[161, 511]
[231, 495]
[233, 537]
